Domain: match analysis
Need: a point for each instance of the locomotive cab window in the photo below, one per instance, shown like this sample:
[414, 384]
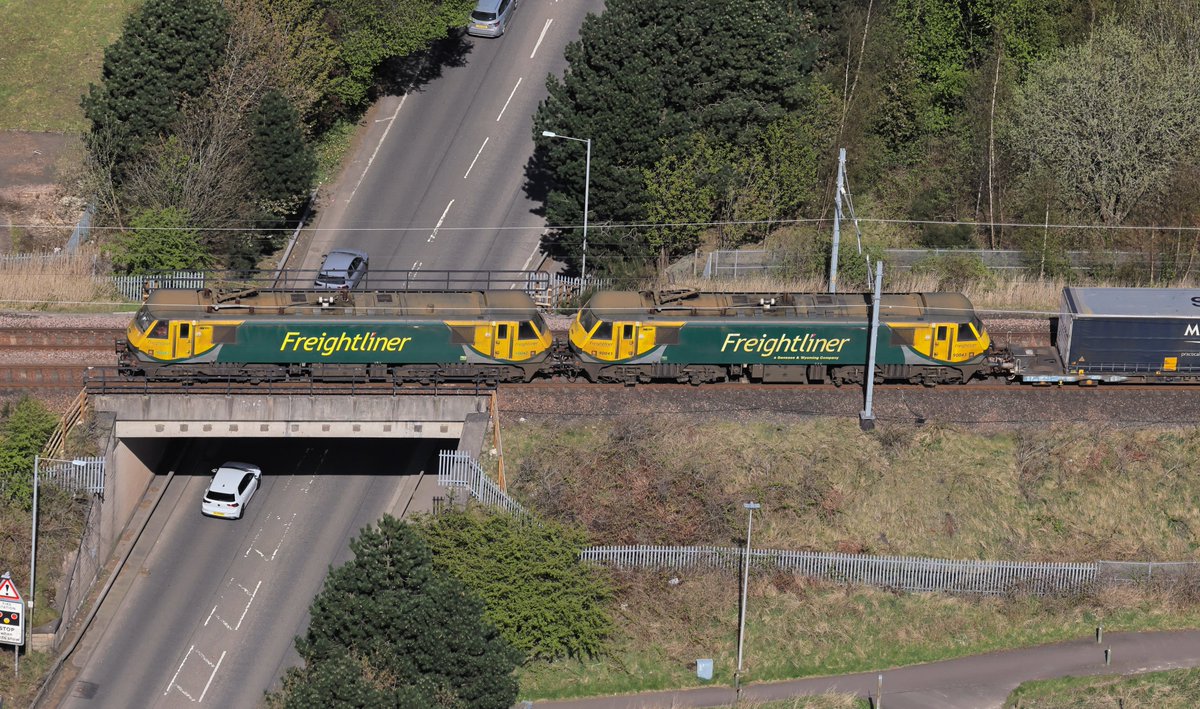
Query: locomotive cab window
[161, 330]
[142, 320]
[588, 320]
[526, 331]
[185, 330]
[604, 332]
[966, 333]
[627, 332]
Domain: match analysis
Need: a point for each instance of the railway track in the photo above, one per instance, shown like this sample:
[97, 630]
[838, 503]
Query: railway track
[42, 376]
[59, 338]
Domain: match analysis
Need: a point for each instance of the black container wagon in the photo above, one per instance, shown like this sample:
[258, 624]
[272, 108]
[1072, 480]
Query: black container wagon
[1139, 335]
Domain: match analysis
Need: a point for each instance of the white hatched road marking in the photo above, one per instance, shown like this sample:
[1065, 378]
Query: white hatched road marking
[245, 610]
[206, 661]
[287, 527]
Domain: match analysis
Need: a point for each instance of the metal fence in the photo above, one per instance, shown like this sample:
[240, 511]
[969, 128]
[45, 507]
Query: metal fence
[750, 262]
[898, 572]
[134, 287]
[80, 474]
[458, 469]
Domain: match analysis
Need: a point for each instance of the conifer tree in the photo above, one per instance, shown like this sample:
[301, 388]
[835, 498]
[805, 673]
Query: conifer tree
[283, 164]
[166, 52]
[391, 630]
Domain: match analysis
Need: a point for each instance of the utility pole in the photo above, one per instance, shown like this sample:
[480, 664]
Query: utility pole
[837, 220]
[737, 676]
[866, 418]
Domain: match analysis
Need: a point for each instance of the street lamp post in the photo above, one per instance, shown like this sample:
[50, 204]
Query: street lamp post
[587, 181]
[37, 462]
[737, 676]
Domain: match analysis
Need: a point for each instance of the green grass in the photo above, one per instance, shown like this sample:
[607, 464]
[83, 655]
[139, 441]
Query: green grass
[1173, 689]
[52, 50]
[1057, 494]
[332, 148]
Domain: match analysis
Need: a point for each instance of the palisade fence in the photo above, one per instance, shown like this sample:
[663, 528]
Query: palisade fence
[755, 262]
[457, 469]
[78, 475]
[134, 287]
[898, 572]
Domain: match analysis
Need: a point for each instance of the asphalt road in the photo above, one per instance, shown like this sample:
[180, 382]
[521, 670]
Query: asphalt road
[438, 179]
[976, 682]
[206, 610]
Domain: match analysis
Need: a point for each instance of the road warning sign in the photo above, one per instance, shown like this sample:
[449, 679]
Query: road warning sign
[12, 613]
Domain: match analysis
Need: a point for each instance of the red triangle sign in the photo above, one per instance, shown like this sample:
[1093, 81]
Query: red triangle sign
[8, 592]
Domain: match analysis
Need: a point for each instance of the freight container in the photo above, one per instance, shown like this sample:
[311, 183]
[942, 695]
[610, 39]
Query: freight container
[1147, 334]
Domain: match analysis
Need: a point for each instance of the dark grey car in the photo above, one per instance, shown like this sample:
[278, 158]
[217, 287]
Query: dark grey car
[343, 268]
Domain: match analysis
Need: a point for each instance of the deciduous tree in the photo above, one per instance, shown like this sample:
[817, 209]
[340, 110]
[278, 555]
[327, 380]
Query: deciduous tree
[1108, 120]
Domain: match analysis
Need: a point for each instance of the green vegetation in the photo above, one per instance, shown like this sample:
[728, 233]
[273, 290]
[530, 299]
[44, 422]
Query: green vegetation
[53, 49]
[391, 629]
[1173, 689]
[25, 429]
[948, 110]
[528, 574]
[1068, 493]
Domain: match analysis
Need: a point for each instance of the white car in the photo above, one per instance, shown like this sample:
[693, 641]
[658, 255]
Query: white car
[232, 486]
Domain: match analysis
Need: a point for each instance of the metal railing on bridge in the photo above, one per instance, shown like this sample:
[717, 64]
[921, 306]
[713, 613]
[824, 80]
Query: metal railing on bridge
[457, 469]
[76, 475]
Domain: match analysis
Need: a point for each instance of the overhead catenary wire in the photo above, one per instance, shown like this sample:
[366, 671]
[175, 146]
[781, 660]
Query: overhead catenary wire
[288, 227]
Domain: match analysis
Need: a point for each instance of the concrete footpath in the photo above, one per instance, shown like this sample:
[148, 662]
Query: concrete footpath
[976, 682]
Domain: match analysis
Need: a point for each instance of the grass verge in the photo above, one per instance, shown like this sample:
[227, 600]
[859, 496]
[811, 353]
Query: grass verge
[1066, 493]
[1172, 689]
[53, 50]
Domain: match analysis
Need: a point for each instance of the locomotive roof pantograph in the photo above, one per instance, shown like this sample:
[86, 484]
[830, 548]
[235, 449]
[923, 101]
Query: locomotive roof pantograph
[894, 307]
[207, 304]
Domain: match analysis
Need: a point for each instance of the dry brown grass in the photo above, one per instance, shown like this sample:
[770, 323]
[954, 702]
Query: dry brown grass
[1066, 493]
[73, 281]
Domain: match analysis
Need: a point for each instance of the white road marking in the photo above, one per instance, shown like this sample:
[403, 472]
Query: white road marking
[542, 36]
[439, 223]
[485, 141]
[210, 677]
[391, 122]
[287, 527]
[180, 669]
[416, 266]
[245, 610]
[510, 98]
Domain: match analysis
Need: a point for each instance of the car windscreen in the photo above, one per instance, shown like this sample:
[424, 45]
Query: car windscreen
[483, 16]
[214, 496]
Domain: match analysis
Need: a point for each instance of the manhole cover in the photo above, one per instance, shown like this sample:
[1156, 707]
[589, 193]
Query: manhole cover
[85, 690]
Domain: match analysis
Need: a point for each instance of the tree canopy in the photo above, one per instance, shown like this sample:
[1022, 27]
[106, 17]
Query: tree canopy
[648, 76]
[390, 629]
[165, 54]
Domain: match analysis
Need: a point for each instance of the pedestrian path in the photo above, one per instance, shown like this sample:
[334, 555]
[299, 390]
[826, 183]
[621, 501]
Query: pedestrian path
[975, 682]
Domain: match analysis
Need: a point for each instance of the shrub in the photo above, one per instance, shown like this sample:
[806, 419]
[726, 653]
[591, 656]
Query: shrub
[543, 600]
[25, 429]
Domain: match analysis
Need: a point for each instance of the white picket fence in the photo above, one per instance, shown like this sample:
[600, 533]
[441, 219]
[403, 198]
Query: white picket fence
[898, 572]
[457, 469]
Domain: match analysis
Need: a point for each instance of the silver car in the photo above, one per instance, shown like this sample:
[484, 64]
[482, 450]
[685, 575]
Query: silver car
[232, 486]
[491, 17]
[343, 268]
